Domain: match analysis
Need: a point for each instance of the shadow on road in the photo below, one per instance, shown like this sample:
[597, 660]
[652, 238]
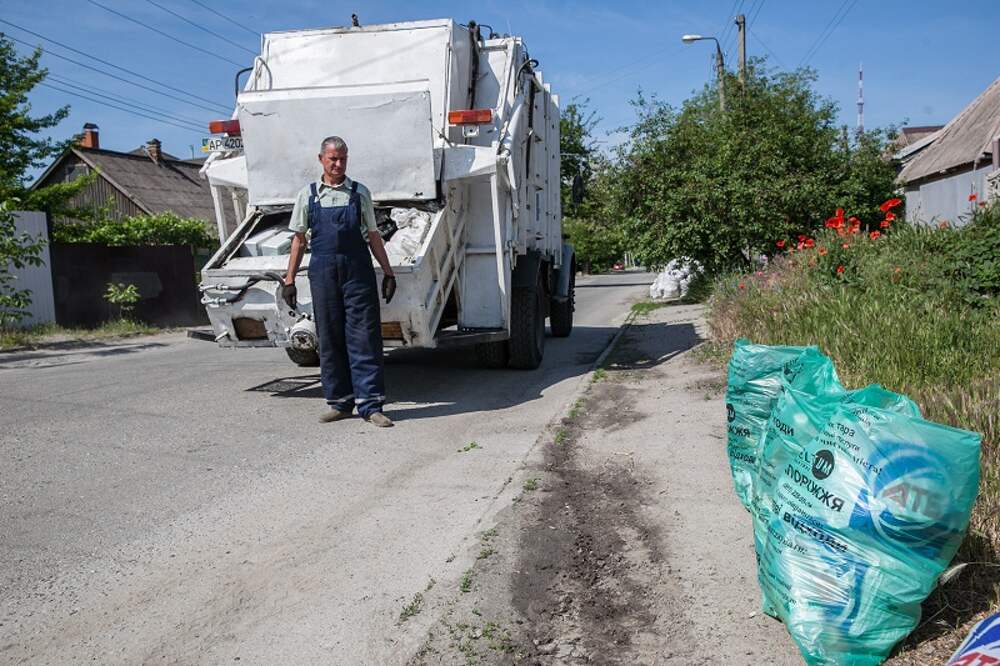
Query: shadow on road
[425, 383]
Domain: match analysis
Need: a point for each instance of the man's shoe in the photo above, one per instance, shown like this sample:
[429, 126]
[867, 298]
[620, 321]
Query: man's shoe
[379, 419]
[334, 415]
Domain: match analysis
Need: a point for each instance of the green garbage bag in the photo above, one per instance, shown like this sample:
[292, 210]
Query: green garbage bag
[797, 417]
[755, 378]
[865, 518]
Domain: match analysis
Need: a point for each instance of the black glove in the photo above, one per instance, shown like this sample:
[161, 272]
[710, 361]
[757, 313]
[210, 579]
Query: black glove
[288, 293]
[388, 287]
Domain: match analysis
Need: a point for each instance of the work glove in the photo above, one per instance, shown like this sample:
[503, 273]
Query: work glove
[288, 294]
[388, 287]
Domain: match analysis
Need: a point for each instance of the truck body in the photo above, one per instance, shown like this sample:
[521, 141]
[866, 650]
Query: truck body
[457, 138]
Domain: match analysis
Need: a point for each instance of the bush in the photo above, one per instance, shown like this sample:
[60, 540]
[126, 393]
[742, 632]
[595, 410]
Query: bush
[162, 229]
[720, 186]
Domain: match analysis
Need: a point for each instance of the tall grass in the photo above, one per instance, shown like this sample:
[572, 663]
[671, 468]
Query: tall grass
[916, 311]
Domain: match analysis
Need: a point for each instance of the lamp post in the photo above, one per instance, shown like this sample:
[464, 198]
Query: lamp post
[720, 67]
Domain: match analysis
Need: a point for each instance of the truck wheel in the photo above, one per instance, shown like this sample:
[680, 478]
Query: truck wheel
[561, 314]
[527, 326]
[493, 355]
[305, 358]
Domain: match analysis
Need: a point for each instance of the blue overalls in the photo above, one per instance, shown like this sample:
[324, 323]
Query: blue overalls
[345, 307]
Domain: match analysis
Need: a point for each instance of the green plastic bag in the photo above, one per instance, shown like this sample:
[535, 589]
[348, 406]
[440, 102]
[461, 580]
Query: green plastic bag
[864, 519]
[755, 377]
[797, 417]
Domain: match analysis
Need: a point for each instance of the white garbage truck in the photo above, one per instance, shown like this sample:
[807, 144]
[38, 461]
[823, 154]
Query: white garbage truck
[455, 133]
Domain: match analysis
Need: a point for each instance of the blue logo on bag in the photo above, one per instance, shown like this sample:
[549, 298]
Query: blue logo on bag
[905, 499]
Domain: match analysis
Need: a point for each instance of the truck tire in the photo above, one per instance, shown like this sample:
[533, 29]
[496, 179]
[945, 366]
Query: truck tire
[527, 326]
[493, 355]
[305, 358]
[561, 314]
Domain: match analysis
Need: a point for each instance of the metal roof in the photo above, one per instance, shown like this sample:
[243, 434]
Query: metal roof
[964, 140]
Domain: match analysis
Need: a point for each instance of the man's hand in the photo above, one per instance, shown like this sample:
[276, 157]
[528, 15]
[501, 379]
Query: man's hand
[388, 287]
[289, 294]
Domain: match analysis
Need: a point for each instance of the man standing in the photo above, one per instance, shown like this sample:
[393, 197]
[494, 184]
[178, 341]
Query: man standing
[339, 215]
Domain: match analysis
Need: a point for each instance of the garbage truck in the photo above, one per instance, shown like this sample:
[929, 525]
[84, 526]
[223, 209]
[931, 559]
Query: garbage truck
[456, 134]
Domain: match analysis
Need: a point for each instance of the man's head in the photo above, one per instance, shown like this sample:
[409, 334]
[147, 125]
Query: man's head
[333, 157]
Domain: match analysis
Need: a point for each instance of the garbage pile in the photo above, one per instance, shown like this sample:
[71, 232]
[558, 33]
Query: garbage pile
[412, 226]
[674, 281]
[858, 503]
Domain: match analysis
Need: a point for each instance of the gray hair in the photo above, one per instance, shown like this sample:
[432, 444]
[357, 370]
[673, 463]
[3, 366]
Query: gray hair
[334, 141]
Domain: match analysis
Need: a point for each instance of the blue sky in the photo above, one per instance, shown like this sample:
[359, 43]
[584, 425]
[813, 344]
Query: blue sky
[923, 60]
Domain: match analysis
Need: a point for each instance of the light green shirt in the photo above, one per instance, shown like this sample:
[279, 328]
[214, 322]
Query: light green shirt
[329, 196]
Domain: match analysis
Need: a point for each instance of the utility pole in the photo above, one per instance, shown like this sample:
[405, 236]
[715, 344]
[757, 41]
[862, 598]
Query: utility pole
[720, 71]
[741, 26]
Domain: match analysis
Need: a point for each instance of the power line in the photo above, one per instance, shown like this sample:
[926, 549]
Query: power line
[109, 64]
[109, 95]
[120, 108]
[766, 47]
[753, 19]
[167, 35]
[833, 24]
[228, 18]
[201, 27]
[649, 61]
[728, 25]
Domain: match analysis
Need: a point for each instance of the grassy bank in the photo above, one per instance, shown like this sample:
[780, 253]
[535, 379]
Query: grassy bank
[916, 310]
[50, 333]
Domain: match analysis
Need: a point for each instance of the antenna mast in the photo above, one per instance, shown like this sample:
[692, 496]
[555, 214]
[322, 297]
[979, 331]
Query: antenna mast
[861, 99]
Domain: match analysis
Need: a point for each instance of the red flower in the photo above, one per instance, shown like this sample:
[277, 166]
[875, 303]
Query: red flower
[943, 224]
[840, 269]
[890, 217]
[891, 203]
[809, 242]
[846, 245]
[780, 244]
[982, 204]
[802, 237]
[742, 285]
[821, 251]
[884, 224]
[875, 234]
[897, 270]
[972, 197]
[840, 213]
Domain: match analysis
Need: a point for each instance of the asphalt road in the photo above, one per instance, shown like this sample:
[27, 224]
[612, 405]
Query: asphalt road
[164, 500]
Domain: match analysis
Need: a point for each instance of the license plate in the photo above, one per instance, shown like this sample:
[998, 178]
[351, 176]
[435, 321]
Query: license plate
[222, 144]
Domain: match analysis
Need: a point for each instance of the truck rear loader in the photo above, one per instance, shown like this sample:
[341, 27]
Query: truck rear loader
[455, 134]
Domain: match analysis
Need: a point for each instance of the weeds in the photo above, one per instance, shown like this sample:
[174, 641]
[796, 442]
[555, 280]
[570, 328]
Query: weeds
[465, 583]
[645, 307]
[562, 436]
[530, 485]
[485, 553]
[43, 333]
[599, 374]
[469, 447]
[412, 608]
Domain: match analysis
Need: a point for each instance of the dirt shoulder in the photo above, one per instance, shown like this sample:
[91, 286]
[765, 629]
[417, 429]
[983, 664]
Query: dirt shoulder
[626, 544]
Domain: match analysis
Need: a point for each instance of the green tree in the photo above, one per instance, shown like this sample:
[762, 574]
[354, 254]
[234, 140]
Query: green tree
[722, 187]
[22, 149]
[20, 144]
[591, 224]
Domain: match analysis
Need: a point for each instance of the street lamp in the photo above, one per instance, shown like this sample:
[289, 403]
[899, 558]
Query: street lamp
[720, 66]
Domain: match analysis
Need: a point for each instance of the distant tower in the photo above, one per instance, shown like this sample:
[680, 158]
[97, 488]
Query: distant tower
[861, 99]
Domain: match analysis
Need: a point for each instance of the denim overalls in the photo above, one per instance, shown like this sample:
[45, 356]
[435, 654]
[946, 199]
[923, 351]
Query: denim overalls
[345, 307]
